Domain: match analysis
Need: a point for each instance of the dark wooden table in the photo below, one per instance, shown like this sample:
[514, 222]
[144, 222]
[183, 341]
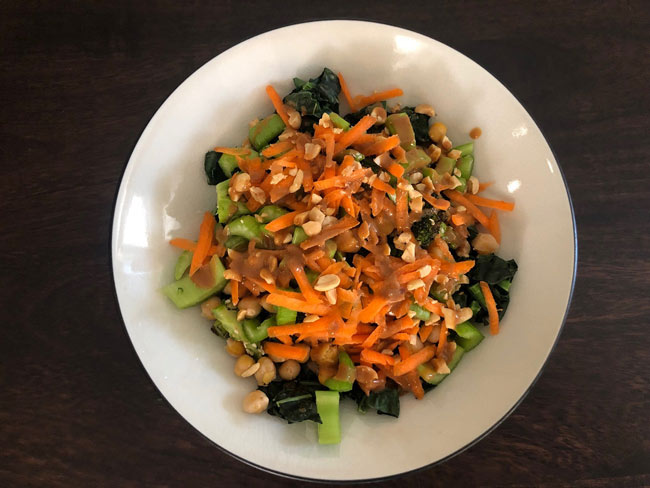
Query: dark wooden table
[78, 83]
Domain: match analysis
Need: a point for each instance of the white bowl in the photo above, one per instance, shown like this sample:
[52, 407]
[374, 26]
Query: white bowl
[163, 194]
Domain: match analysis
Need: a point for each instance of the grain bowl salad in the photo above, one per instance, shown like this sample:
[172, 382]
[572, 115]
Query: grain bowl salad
[348, 256]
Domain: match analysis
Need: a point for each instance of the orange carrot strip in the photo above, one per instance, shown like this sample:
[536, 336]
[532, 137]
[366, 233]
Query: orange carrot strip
[400, 336]
[346, 93]
[439, 203]
[234, 287]
[379, 96]
[277, 103]
[305, 287]
[206, 233]
[459, 219]
[374, 336]
[399, 153]
[297, 305]
[373, 308]
[353, 134]
[272, 289]
[299, 353]
[344, 224]
[277, 148]
[376, 202]
[282, 222]
[493, 313]
[381, 146]
[397, 170]
[458, 197]
[483, 186]
[425, 332]
[374, 357]
[414, 360]
[285, 339]
[233, 151]
[490, 203]
[383, 186]
[184, 244]
[320, 325]
[494, 227]
[456, 269]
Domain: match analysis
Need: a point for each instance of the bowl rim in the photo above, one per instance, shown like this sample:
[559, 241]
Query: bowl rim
[119, 190]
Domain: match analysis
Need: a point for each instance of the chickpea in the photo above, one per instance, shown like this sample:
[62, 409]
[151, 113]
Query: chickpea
[266, 373]
[347, 242]
[325, 354]
[385, 222]
[325, 373]
[250, 306]
[208, 305]
[234, 348]
[438, 131]
[243, 363]
[289, 370]
[255, 402]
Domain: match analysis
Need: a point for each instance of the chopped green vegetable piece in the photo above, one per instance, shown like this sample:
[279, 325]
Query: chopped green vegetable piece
[185, 293]
[312, 275]
[226, 208]
[330, 248]
[229, 164]
[228, 320]
[401, 125]
[339, 121]
[417, 159]
[421, 313]
[468, 336]
[466, 149]
[344, 379]
[327, 405]
[285, 316]
[299, 236]
[182, 263]
[265, 131]
[475, 306]
[428, 374]
[270, 212]
[476, 292]
[466, 165]
[445, 165]
[505, 285]
[237, 243]
[463, 185]
[256, 331]
[246, 226]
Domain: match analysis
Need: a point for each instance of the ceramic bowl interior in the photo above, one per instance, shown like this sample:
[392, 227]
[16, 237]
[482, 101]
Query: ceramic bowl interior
[163, 194]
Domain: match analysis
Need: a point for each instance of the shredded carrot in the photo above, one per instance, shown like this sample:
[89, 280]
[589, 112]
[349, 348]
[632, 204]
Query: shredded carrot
[458, 197]
[233, 151]
[397, 170]
[414, 360]
[184, 244]
[399, 153]
[383, 186]
[462, 219]
[439, 203]
[484, 186]
[374, 357]
[277, 148]
[369, 312]
[494, 227]
[305, 287]
[234, 287]
[330, 232]
[457, 269]
[381, 146]
[493, 313]
[282, 222]
[425, 332]
[378, 97]
[346, 93]
[488, 202]
[374, 336]
[297, 305]
[277, 103]
[206, 234]
[298, 352]
[401, 216]
[353, 134]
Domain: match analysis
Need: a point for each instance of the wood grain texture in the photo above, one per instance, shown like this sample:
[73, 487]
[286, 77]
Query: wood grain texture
[80, 80]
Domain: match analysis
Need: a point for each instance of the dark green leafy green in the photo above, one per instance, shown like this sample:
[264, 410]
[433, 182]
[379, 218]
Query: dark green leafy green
[212, 169]
[355, 117]
[294, 401]
[315, 97]
[492, 269]
[386, 401]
